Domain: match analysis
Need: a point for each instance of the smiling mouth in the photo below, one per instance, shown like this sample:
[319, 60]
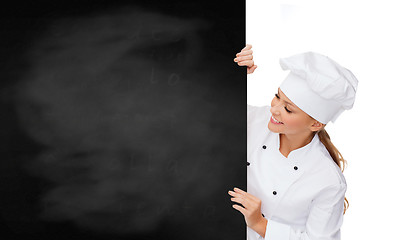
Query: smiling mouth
[275, 121]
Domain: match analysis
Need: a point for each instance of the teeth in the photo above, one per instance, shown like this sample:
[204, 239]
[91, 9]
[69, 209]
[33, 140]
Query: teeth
[276, 120]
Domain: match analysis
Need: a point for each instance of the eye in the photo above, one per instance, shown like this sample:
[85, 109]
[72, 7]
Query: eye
[278, 97]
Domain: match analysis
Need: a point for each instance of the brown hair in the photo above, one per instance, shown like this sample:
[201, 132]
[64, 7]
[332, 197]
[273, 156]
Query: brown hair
[335, 154]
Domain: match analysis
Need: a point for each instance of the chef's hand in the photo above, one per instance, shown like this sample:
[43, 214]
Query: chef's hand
[244, 58]
[252, 207]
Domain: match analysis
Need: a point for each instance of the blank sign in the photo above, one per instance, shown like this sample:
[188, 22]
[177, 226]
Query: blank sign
[123, 120]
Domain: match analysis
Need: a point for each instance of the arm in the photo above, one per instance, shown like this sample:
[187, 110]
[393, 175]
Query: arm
[324, 220]
[260, 228]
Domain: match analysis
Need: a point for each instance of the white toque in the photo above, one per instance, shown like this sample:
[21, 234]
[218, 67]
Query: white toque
[318, 85]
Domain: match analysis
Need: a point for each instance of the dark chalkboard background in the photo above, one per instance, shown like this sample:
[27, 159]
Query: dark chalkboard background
[122, 120]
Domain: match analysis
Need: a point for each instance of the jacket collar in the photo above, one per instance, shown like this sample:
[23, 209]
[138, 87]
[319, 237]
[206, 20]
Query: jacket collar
[298, 153]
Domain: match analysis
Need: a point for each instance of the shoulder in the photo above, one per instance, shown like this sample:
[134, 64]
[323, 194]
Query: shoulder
[257, 125]
[329, 171]
[330, 184]
[257, 113]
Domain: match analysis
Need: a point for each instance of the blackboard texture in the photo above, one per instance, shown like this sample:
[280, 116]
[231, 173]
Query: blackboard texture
[122, 120]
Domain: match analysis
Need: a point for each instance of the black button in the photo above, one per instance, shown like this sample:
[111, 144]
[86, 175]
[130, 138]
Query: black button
[296, 168]
[274, 192]
[248, 164]
[263, 215]
[264, 146]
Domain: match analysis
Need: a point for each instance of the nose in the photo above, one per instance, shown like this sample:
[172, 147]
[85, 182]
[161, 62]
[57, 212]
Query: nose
[275, 109]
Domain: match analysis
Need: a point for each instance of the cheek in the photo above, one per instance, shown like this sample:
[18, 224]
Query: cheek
[294, 121]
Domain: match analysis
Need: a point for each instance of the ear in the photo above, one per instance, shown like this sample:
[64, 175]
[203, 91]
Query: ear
[317, 126]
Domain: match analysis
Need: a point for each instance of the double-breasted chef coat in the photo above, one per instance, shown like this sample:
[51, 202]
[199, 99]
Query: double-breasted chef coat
[303, 194]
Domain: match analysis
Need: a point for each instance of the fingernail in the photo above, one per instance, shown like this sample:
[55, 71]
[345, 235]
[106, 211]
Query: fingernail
[235, 59]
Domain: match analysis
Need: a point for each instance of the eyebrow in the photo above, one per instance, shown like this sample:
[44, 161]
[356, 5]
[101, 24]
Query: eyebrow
[278, 92]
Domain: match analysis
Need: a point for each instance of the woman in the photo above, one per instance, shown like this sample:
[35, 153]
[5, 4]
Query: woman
[295, 185]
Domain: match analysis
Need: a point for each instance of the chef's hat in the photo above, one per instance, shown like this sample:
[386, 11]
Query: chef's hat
[318, 85]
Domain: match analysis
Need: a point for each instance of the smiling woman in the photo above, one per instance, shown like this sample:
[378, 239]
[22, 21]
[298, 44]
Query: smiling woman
[294, 175]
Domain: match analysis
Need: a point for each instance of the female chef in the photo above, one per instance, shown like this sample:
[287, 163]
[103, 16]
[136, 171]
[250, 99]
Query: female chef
[295, 183]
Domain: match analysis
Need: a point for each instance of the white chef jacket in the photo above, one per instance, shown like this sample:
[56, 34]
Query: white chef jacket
[303, 194]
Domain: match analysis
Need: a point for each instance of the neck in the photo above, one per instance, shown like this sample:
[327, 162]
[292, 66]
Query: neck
[290, 142]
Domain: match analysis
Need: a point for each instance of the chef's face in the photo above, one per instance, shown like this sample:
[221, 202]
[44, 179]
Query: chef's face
[293, 119]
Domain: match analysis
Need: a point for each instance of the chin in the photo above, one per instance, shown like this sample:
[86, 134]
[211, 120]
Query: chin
[272, 129]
